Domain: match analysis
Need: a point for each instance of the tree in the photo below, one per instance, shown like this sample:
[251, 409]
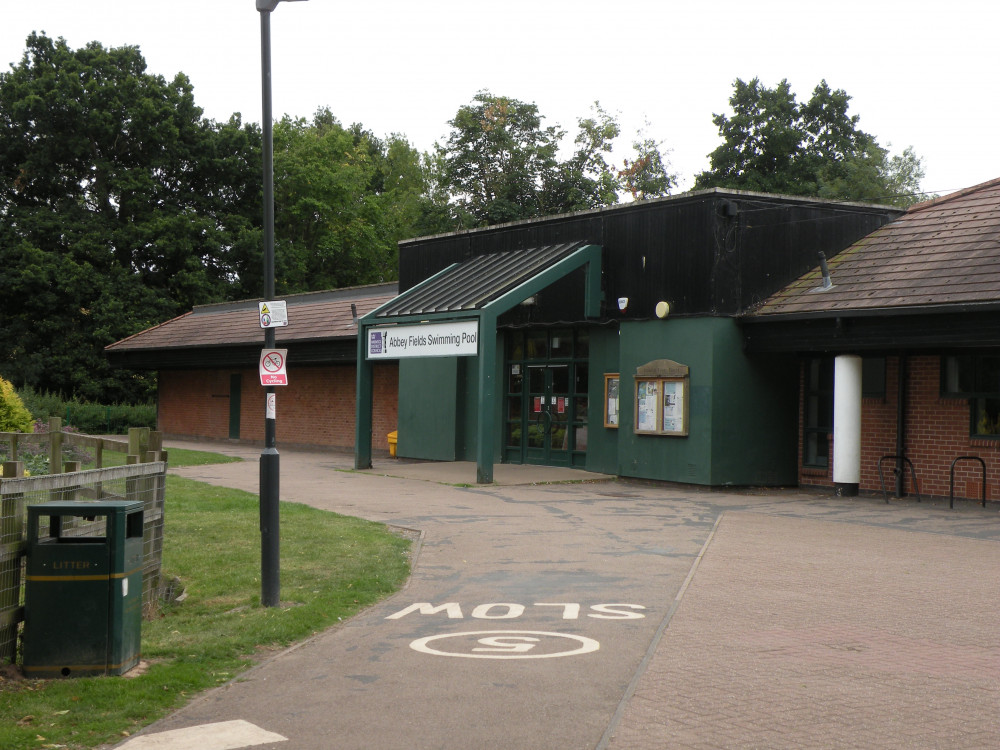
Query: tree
[344, 198]
[498, 158]
[121, 207]
[773, 144]
[586, 180]
[500, 164]
[646, 175]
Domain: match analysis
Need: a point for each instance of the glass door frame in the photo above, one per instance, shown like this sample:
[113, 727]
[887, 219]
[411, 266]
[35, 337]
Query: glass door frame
[545, 422]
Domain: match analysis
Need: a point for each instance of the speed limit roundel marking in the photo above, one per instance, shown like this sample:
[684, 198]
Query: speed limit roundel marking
[506, 644]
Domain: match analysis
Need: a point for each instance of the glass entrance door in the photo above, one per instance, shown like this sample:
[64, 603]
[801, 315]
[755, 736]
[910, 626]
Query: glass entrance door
[550, 404]
[546, 405]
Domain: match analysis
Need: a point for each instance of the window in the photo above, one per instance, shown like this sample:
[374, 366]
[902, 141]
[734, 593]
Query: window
[873, 377]
[819, 404]
[818, 421]
[975, 377]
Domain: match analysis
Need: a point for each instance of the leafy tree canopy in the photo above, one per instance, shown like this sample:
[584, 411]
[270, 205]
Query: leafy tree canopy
[501, 164]
[772, 143]
[121, 207]
[344, 198]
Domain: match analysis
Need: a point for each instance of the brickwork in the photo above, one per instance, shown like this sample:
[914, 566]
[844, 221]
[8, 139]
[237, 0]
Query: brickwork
[194, 403]
[316, 408]
[937, 432]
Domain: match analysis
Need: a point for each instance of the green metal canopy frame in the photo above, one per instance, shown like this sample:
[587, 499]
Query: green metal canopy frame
[488, 305]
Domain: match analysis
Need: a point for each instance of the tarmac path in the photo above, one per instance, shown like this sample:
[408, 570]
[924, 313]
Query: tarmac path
[609, 614]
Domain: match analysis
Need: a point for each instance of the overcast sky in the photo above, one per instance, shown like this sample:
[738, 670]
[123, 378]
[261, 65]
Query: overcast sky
[919, 74]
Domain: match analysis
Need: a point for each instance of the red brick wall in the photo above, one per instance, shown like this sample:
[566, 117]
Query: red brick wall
[316, 408]
[937, 432]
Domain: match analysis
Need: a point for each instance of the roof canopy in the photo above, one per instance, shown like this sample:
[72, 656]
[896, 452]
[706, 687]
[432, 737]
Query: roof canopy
[484, 280]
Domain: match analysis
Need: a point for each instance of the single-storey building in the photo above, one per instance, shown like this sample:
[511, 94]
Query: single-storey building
[690, 339]
[899, 348]
[207, 364]
[611, 340]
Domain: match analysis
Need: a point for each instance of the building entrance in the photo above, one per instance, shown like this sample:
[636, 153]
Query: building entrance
[546, 398]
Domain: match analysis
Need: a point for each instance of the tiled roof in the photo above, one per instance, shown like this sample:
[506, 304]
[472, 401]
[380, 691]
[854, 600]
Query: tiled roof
[942, 252]
[311, 317]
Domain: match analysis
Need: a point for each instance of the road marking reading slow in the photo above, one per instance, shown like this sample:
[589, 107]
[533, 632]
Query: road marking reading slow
[510, 610]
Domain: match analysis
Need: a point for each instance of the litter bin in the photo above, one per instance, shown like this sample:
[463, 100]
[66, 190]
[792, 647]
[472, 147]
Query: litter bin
[392, 437]
[83, 588]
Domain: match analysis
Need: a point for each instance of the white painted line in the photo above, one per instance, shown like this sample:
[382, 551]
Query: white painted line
[223, 735]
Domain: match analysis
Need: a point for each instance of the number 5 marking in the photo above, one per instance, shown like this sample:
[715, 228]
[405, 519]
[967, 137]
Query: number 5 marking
[508, 644]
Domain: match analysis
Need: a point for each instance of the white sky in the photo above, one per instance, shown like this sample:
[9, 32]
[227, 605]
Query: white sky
[920, 74]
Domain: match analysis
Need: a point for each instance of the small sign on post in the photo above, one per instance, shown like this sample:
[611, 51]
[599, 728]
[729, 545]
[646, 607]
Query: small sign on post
[272, 367]
[273, 314]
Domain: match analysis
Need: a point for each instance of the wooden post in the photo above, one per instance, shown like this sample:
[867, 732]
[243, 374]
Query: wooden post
[71, 493]
[55, 445]
[11, 551]
[138, 440]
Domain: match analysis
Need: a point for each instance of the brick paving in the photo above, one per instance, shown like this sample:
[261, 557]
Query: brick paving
[796, 632]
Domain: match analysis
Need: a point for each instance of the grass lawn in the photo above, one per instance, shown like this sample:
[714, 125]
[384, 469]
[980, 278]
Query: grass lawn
[331, 567]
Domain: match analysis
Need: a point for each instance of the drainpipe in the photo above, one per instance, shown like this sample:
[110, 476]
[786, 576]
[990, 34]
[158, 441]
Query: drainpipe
[901, 383]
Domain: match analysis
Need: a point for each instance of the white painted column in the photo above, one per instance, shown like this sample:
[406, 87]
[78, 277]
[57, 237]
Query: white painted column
[847, 424]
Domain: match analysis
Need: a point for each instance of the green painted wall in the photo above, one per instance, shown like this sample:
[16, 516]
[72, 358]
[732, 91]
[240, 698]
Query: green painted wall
[755, 414]
[677, 459]
[438, 407]
[428, 408]
[742, 412]
[602, 442]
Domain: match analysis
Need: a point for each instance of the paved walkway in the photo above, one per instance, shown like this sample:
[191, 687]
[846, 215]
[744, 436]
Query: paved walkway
[721, 620]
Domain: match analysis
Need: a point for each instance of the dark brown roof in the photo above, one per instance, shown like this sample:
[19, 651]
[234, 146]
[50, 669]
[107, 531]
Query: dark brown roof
[942, 252]
[315, 316]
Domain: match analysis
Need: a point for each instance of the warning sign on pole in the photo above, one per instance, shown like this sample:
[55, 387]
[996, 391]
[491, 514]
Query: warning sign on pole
[273, 314]
[272, 367]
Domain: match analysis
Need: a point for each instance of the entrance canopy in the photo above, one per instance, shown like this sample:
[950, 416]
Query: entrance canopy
[484, 281]
[480, 289]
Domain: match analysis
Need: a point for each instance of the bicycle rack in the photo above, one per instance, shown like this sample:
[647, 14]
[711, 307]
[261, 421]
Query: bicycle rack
[951, 490]
[913, 475]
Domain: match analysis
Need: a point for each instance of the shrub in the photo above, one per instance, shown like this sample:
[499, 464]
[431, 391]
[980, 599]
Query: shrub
[88, 418]
[14, 417]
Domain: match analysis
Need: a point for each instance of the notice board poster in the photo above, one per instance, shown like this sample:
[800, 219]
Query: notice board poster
[611, 384]
[661, 406]
[646, 405]
[673, 406]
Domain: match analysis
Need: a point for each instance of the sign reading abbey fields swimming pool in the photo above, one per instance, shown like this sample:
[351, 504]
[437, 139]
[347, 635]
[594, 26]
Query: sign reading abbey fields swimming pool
[459, 338]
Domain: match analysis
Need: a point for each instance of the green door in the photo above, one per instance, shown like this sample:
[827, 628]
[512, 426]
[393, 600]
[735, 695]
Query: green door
[235, 394]
[549, 404]
[546, 409]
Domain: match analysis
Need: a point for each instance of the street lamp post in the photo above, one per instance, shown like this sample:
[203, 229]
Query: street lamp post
[270, 580]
